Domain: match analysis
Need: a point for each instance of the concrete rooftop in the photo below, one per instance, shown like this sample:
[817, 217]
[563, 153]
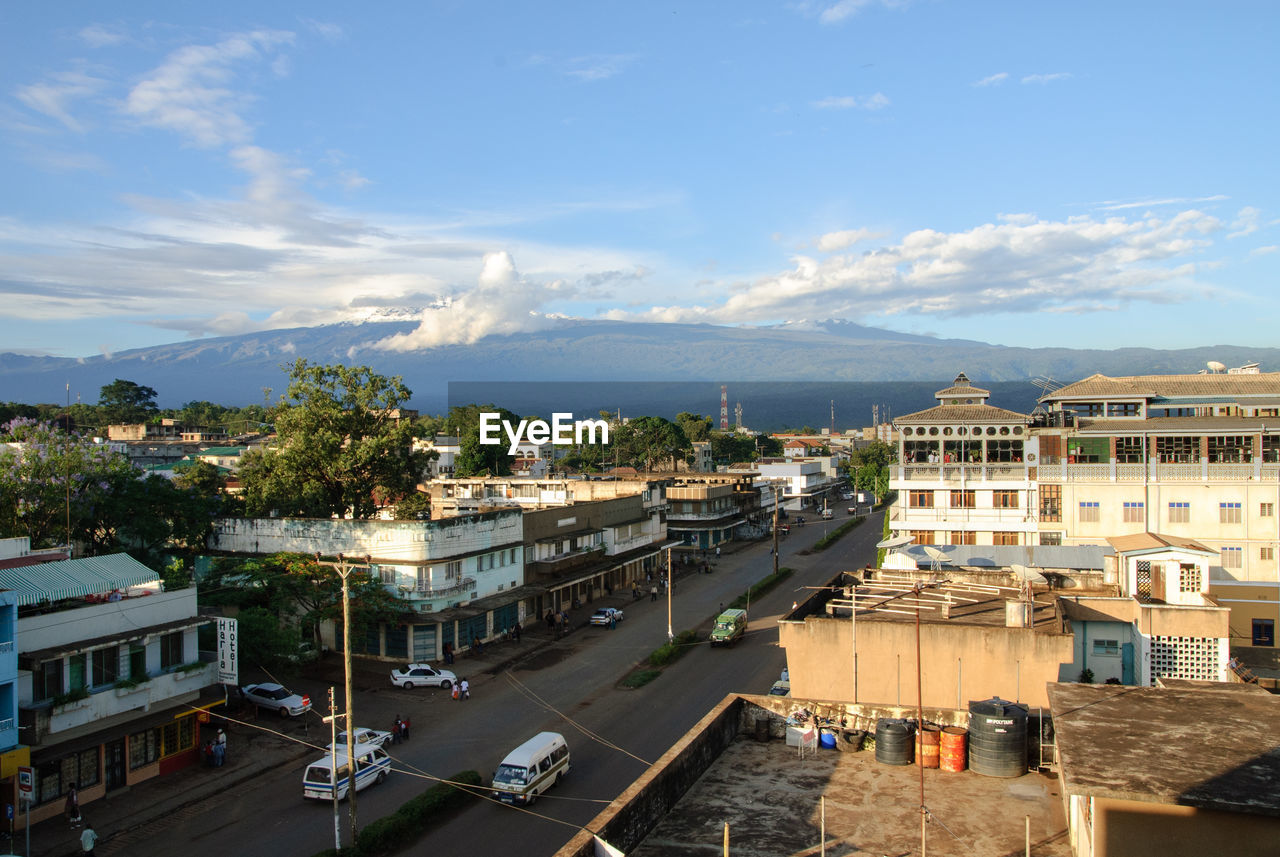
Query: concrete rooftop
[1203, 744]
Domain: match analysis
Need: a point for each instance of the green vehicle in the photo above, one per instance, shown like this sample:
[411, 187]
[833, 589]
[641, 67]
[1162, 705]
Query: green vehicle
[730, 625]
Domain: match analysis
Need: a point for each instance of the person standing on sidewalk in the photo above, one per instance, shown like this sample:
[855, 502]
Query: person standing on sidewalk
[220, 749]
[72, 807]
[516, 631]
[88, 840]
[404, 729]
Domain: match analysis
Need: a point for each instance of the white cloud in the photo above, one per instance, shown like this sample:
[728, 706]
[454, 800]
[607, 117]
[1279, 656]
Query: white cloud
[1022, 265]
[1264, 251]
[327, 30]
[1046, 78]
[841, 10]
[992, 80]
[501, 303]
[1246, 222]
[1115, 205]
[848, 102]
[845, 238]
[101, 36]
[52, 97]
[598, 66]
[191, 95]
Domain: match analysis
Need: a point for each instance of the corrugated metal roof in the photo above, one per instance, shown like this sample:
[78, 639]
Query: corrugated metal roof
[1149, 386]
[74, 578]
[963, 414]
[1078, 557]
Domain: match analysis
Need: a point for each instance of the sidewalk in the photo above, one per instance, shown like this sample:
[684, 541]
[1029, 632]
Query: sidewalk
[118, 817]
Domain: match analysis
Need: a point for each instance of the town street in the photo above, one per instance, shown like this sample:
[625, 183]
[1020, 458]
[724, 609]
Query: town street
[568, 687]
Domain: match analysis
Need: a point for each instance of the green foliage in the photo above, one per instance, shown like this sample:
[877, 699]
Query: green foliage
[397, 831]
[696, 427]
[649, 443]
[339, 446]
[125, 402]
[835, 535]
[265, 640]
[770, 447]
[1086, 676]
[757, 590]
[731, 447]
[415, 507]
[672, 651]
[640, 678]
[475, 458]
[71, 696]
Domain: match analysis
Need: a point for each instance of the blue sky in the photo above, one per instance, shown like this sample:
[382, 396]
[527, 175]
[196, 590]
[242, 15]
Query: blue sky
[1084, 175]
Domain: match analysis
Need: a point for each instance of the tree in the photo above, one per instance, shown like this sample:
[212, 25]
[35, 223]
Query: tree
[340, 446]
[415, 507]
[695, 426]
[124, 402]
[730, 447]
[646, 442]
[475, 458]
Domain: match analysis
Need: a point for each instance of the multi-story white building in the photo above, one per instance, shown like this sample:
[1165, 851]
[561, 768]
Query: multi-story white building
[965, 472]
[1192, 456]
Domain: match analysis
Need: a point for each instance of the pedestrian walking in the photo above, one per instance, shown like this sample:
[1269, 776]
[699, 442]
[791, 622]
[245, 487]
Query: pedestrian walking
[395, 730]
[516, 631]
[88, 840]
[466, 689]
[404, 729]
[72, 807]
[717, 551]
[456, 691]
[653, 593]
[613, 621]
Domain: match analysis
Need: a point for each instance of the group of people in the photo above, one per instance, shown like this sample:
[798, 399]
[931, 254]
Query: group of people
[462, 690]
[88, 836]
[400, 730]
[215, 750]
[558, 622]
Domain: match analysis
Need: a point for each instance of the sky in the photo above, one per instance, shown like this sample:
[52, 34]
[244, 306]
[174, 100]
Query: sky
[1092, 175]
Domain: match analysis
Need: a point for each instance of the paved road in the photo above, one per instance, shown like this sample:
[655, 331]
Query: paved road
[569, 687]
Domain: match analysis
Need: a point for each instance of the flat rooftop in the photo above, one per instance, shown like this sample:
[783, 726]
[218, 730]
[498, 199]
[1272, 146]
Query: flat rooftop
[888, 597]
[1211, 745]
[769, 796]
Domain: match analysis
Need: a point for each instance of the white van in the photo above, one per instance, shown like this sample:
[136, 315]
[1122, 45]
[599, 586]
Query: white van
[532, 768]
[372, 766]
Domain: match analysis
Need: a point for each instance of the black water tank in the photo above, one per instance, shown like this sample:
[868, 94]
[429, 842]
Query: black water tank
[893, 741]
[997, 738]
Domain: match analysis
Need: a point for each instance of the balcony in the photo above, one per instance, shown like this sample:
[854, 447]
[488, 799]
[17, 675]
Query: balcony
[1202, 472]
[424, 589]
[961, 474]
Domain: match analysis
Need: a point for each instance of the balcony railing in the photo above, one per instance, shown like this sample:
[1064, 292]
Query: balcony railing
[1202, 471]
[6, 647]
[963, 473]
[425, 590]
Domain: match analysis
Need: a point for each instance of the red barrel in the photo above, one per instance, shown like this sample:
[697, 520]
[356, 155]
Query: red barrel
[927, 746]
[955, 748]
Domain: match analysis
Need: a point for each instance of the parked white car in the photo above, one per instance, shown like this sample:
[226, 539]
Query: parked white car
[277, 697]
[423, 675]
[374, 737]
[604, 615]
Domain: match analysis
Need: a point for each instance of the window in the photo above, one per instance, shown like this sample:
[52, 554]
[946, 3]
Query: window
[106, 666]
[1133, 513]
[1178, 450]
[1179, 513]
[1267, 554]
[1266, 510]
[1234, 449]
[1264, 632]
[1088, 450]
[964, 538]
[1129, 450]
[453, 570]
[46, 680]
[1004, 499]
[1189, 578]
[1271, 448]
[1051, 538]
[920, 499]
[962, 499]
[923, 537]
[1229, 513]
[1050, 503]
[144, 748]
[1108, 648]
[1090, 512]
[1232, 558]
[137, 661]
[1004, 538]
[171, 650]
[1123, 409]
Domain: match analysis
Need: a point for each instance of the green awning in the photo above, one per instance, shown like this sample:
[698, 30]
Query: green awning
[75, 578]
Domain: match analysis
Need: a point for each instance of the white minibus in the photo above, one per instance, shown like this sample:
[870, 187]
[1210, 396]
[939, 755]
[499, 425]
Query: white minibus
[372, 766]
[532, 768]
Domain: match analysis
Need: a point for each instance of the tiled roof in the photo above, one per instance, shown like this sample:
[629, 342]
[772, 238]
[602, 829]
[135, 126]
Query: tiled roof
[963, 414]
[963, 391]
[1155, 541]
[1150, 386]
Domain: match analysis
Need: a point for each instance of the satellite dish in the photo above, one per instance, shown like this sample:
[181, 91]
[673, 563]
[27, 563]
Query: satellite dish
[1215, 366]
[1027, 575]
[895, 542]
[938, 557]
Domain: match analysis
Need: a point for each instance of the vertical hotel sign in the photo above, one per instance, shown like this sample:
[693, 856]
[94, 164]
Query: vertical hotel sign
[228, 652]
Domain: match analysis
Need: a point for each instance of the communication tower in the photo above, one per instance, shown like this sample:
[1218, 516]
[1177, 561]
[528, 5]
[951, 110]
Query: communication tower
[724, 407]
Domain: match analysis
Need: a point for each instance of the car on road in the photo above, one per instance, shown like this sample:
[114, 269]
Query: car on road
[729, 626]
[423, 675]
[278, 698]
[605, 615]
[363, 735]
[780, 688]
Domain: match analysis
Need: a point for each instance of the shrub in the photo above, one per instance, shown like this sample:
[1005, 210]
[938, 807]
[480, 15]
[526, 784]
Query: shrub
[672, 651]
[835, 535]
[396, 831]
[640, 678]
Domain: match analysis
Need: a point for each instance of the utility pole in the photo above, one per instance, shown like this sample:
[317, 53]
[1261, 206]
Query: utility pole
[777, 498]
[671, 579]
[332, 720]
[344, 570]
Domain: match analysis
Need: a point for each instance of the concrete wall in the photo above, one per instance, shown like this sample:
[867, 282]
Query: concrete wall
[626, 821]
[63, 627]
[1123, 828]
[960, 662]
